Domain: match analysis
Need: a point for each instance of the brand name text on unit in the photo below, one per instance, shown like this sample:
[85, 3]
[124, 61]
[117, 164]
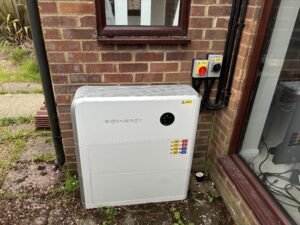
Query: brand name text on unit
[118, 121]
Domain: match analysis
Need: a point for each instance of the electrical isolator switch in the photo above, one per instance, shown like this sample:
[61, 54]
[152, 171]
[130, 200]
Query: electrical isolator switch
[215, 65]
[200, 68]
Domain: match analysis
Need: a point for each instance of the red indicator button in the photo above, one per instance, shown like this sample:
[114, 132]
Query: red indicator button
[202, 71]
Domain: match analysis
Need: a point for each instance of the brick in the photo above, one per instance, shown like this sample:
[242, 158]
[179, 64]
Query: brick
[78, 33]
[118, 78]
[253, 13]
[76, 7]
[195, 34]
[149, 77]
[186, 66]
[70, 158]
[61, 89]
[52, 34]
[95, 46]
[225, 2]
[69, 150]
[171, 56]
[66, 68]
[196, 45]
[62, 46]
[63, 99]
[197, 11]
[215, 34]
[177, 77]
[85, 78]
[67, 134]
[100, 68]
[133, 67]
[88, 21]
[201, 23]
[132, 47]
[218, 45]
[222, 22]
[83, 57]
[64, 109]
[59, 79]
[219, 10]
[163, 47]
[204, 2]
[116, 57]
[149, 56]
[58, 21]
[56, 57]
[65, 117]
[65, 126]
[164, 67]
[47, 7]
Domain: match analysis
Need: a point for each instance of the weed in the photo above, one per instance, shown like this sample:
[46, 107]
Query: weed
[44, 157]
[177, 217]
[11, 148]
[71, 184]
[212, 193]
[18, 55]
[110, 213]
[22, 91]
[7, 121]
[27, 71]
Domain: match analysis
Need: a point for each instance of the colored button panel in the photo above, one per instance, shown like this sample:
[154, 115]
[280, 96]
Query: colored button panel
[179, 146]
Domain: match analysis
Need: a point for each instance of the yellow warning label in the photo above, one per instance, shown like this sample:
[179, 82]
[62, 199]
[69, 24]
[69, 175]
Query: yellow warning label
[203, 63]
[187, 102]
[218, 59]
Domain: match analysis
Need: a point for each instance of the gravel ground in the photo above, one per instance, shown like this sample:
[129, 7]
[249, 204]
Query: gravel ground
[27, 197]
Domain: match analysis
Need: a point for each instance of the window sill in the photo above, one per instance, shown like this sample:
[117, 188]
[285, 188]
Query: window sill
[262, 205]
[131, 40]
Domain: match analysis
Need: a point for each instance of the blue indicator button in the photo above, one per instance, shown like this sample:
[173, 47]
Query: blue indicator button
[184, 148]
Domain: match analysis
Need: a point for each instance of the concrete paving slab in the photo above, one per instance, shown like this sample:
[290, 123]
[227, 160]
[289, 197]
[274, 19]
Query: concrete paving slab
[12, 105]
[15, 86]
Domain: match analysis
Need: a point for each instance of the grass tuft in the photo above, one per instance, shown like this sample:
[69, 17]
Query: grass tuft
[22, 91]
[44, 157]
[19, 55]
[7, 121]
[110, 213]
[25, 68]
[71, 184]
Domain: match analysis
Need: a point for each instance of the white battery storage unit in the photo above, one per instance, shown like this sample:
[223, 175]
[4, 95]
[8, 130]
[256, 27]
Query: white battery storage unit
[134, 144]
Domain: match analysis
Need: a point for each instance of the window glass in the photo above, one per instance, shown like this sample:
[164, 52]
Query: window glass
[142, 12]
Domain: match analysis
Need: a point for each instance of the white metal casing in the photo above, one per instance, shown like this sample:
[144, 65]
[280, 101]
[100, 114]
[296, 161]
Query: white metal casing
[124, 154]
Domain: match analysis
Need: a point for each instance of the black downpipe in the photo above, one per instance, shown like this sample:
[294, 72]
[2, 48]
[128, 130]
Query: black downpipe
[229, 45]
[39, 45]
[241, 26]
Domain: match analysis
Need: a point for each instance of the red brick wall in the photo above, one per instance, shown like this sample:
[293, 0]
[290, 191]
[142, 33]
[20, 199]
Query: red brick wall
[77, 59]
[225, 121]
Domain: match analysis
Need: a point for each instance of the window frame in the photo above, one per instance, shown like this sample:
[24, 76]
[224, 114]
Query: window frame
[117, 33]
[258, 198]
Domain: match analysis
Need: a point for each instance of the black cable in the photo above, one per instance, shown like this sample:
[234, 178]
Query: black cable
[282, 192]
[208, 84]
[267, 156]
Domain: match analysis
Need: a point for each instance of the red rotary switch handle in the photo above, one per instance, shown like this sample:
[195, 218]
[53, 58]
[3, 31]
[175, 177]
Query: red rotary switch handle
[202, 70]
